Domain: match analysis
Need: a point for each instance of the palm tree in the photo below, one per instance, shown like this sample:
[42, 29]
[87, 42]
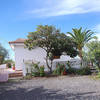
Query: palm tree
[81, 38]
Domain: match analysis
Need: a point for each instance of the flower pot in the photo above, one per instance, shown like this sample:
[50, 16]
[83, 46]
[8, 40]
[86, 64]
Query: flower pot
[64, 73]
[13, 67]
[56, 57]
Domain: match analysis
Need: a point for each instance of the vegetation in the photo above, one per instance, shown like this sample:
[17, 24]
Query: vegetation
[52, 41]
[42, 73]
[9, 63]
[56, 43]
[92, 54]
[60, 69]
[81, 71]
[97, 58]
[36, 70]
[81, 37]
[3, 54]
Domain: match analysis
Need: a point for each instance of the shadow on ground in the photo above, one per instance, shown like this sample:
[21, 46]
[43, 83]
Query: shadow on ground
[40, 93]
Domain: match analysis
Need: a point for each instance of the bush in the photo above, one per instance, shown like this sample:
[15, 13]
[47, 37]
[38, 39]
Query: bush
[8, 65]
[42, 73]
[85, 71]
[82, 71]
[27, 77]
[60, 69]
[98, 72]
[37, 71]
[35, 74]
[98, 75]
[71, 70]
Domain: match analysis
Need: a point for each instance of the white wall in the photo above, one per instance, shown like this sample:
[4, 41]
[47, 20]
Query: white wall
[36, 55]
[3, 66]
[22, 53]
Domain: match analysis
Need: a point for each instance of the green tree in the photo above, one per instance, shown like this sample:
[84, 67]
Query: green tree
[9, 62]
[81, 37]
[3, 54]
[92, 53]
[97, 58]
[52, 41]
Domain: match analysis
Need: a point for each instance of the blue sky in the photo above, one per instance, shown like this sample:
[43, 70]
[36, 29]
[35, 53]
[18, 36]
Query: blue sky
[18, 17]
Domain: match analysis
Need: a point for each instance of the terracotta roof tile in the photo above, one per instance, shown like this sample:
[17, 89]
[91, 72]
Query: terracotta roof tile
[20, 40]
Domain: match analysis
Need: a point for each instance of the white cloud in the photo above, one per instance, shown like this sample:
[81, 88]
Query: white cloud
[65, 7]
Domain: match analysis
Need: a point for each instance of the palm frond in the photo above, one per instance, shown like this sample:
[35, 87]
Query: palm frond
[81, 37]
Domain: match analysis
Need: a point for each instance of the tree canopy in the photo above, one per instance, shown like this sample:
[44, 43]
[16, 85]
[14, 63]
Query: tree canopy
[81, 37]
[3, 54]
[93, 52]
[52, 41]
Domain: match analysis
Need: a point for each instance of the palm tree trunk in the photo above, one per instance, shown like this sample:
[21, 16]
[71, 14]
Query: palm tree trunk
[80, 55]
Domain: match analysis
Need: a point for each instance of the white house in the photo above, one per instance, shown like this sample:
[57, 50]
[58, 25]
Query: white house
[22, 54]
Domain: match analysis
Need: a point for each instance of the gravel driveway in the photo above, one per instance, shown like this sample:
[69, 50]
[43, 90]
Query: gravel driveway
[55, 88]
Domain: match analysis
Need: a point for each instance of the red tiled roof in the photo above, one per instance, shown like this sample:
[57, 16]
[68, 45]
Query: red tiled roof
[20, 40]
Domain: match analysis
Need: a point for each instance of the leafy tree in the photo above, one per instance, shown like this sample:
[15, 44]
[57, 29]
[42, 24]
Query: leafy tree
[3, 54]
[9, 62]
[92, 53]
[52, 41]
[81, 38]
[97, 58]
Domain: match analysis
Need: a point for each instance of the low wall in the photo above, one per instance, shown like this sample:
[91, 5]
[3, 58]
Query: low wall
[3, 66]
[3, 75]
[75, 63]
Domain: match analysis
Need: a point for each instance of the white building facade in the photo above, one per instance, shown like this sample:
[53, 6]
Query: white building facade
[22, 55]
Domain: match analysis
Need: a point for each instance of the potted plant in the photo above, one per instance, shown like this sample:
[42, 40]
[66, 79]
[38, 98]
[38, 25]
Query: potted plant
[42, 72]
[56, 54]
[64, 72]
[56, 57]
[63, 69]
[13, 67]
[8, 65]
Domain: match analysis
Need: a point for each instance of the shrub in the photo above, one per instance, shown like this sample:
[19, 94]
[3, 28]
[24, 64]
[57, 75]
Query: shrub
[55, 72]
[37, 71]
[42, 73]
[27, 77]
[8, 65]
[82, 71]
[98, 72]
[60, 69]
[98, 75]
[71, 70]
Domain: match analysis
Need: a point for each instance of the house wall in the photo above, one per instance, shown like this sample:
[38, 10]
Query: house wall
[22, 54]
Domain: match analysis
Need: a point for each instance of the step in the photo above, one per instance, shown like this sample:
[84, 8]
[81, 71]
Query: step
[16, 74]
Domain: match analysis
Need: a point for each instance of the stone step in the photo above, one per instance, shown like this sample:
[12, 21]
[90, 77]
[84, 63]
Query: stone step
[94, 70]
[16, 74]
